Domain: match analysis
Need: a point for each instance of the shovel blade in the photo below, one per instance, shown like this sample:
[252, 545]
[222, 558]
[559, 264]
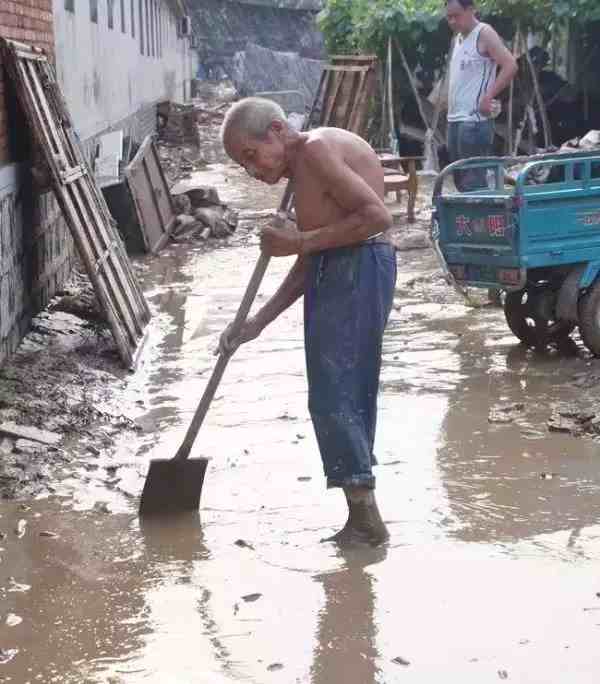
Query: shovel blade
[173, 486]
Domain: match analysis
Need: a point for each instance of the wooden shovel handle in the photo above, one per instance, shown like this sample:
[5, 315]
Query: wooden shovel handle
[209, 393]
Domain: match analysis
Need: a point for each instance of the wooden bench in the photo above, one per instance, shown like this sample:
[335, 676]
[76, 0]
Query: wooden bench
[400, 173]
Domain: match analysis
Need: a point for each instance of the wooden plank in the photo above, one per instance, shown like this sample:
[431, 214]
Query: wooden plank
[351, 102]
[79, 198]
[110, 268]
[150, 192]
[31, 433]
[339, 68]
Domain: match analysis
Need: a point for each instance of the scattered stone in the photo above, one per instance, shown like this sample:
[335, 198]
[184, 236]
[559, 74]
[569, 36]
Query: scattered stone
[410, 240]
[504, 413]
[29, 433]
[199, 195]
[559, 424]
[499, 418]
[399, 660]
[250, 598]
[208, 215]
[184, 224]
[21, 528]
[101, 507]
[182, 204]
[274, 667]
[243, 544]
[93, 450]
[27, 447]
[48, 534]
[17, 587]
[548, 476]
[13, 620]
[7, 654]
[254, 215]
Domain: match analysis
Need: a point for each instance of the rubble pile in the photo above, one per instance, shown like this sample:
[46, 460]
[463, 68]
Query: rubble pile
[201, 214]
[177, 123]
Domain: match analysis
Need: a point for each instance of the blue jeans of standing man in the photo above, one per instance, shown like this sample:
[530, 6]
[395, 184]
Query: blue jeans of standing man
[470, 139]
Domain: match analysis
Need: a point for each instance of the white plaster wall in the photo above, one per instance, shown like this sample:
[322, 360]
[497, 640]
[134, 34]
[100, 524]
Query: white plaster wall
[102, 72]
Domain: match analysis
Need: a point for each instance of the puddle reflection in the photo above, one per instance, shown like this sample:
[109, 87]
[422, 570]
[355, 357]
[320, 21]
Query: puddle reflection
[346, 648]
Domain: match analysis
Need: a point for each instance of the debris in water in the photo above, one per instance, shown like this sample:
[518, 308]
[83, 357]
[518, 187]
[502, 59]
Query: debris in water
[274, 667]
[93, 450]
[21, 528]
[7, 654]
[250, 598]
[300, 435]
[236, 608]
[16, 587]
[559, 424]
[503, 674]
[399, 660]
[548, 476]
[13, 620]
[304, 478]
[243, 544]
[50, 535]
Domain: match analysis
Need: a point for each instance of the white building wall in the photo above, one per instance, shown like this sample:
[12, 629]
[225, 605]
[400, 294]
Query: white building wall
[104, 75]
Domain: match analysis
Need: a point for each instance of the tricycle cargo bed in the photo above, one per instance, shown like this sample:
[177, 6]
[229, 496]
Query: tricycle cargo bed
[494, 236]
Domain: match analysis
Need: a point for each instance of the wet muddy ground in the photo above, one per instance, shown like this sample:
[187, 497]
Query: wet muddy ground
[492, 568]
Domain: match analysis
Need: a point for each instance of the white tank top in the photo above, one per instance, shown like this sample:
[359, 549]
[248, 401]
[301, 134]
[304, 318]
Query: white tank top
[471, 75]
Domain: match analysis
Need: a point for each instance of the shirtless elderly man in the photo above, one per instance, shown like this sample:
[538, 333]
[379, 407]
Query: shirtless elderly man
[346, 270]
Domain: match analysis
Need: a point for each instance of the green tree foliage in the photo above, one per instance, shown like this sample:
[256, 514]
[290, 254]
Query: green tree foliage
[349, 25]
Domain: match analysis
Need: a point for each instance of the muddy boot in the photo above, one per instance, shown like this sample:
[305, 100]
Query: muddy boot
[364, 525]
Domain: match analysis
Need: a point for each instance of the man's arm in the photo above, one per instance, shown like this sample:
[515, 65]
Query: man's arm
[367, 215]
[491, 44]
[291, 289]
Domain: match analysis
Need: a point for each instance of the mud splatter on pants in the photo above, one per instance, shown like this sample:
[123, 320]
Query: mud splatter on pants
[348, 296]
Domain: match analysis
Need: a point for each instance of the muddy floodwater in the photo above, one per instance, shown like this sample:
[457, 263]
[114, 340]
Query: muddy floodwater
[492, 571]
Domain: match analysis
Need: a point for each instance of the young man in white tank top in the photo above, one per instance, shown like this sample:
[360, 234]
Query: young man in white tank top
[481, 67]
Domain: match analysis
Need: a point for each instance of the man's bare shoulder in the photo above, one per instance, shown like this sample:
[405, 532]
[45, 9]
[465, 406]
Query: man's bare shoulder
[487, 34]
[325, 144]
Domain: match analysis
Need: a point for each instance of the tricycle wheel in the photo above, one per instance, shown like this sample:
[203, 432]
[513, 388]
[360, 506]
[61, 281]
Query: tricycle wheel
[530, 316]
[589, 318]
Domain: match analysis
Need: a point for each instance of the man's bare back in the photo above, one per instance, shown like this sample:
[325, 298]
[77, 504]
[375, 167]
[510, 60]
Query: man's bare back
[315, 204]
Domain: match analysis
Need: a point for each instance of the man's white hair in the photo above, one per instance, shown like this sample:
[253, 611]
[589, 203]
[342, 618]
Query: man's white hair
[251, 117]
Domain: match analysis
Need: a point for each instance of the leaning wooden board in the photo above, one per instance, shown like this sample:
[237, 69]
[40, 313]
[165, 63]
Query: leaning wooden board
[83, 206]
[150, 192]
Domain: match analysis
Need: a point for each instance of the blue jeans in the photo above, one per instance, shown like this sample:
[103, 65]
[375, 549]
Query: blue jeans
[347, 300]
[470, 139]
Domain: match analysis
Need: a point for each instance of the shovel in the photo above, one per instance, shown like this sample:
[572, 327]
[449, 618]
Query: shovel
[174, 485]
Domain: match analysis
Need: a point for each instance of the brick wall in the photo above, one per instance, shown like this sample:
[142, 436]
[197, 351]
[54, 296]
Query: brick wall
[36, 249]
